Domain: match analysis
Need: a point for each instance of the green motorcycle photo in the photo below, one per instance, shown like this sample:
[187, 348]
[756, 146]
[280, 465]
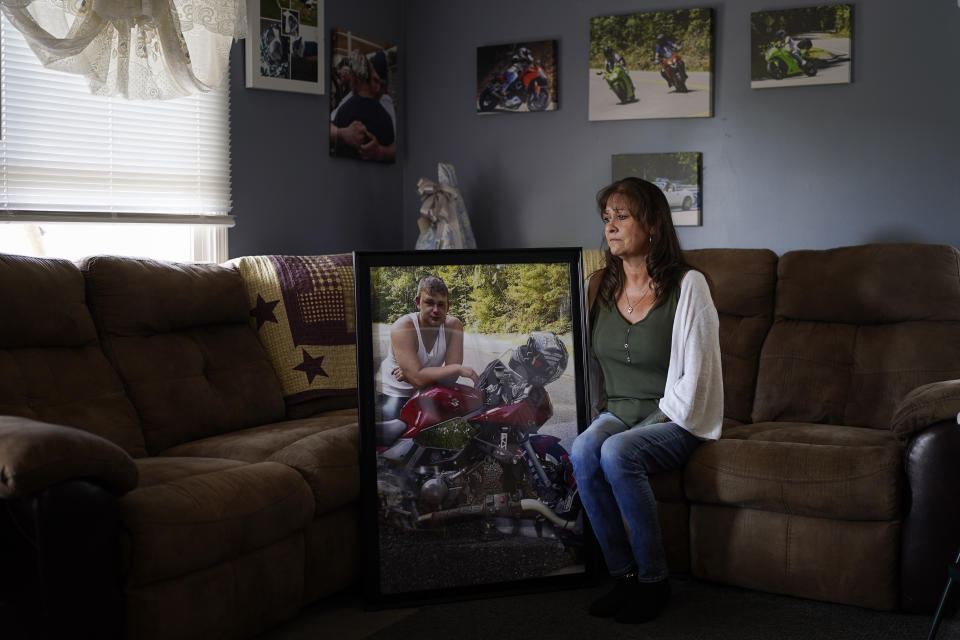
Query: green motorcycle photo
[620, 83]
[781, 63]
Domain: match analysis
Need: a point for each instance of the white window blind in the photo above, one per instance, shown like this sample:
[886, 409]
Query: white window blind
[69, 156]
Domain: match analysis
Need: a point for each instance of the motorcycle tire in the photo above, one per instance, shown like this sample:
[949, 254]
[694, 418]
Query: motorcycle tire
[810, 69]
[682, 84]
[538, 101]
[777, 69]
[620, 90]
[487, 101]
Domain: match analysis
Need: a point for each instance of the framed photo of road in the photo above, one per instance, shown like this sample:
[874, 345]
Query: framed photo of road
[801, 47]
[471, 389]
[654, 64]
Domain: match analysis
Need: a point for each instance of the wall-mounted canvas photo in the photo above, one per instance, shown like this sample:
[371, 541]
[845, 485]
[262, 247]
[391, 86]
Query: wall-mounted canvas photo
[284, 44]
[679, 176]
[471, 391]
[801, 47]
[363, 95]
[655, 64]
[517, 77]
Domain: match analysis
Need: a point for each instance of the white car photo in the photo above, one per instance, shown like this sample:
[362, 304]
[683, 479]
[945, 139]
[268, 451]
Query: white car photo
[678, 196]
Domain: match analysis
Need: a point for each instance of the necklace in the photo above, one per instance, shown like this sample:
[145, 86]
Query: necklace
[631, 306]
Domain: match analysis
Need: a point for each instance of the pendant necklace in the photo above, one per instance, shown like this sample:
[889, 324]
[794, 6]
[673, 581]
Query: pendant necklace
[630, 306]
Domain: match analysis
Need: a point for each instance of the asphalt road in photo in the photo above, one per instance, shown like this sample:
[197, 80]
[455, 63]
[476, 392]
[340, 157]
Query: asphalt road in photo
[656, 99]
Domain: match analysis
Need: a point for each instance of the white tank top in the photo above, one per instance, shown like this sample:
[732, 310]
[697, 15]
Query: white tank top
[434, 358]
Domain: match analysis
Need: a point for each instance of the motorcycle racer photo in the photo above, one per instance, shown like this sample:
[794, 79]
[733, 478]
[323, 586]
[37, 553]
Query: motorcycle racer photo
[615, 69]
[521, 57]
[784, 41]
[517, 77]
[664, 50]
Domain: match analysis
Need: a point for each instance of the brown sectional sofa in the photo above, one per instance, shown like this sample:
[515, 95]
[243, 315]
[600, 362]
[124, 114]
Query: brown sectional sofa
[155, 484]
[231, 517]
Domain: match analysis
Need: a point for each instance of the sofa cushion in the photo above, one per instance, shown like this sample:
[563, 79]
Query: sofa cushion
[51, 366]
[193, 513]
[856, 329]
[845, 473]
[178, 336]
[325, 450]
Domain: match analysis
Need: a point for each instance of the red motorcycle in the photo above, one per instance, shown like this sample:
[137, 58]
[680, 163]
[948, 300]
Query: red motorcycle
[674, 71]
[530, 87]
[460, 452]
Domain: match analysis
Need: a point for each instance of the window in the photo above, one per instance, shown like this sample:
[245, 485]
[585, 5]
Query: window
[82, 174]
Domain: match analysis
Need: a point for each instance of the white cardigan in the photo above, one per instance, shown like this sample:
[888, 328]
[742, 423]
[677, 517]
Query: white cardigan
[693, 395]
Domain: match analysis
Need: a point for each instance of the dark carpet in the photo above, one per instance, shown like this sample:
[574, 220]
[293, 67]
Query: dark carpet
[698, 610]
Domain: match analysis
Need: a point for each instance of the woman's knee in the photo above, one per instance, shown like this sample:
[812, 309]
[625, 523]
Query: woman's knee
[614, 454]
[585, 448]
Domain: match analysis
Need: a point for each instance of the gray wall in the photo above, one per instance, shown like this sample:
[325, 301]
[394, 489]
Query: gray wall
[784, 169]
[289, 195]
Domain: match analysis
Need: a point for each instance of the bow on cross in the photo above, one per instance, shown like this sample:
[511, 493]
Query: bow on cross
[436, 203]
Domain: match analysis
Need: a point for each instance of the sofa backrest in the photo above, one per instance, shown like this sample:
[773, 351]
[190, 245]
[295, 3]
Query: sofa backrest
[179, 338]
[742, 284]
[857, 328]
[51, 366]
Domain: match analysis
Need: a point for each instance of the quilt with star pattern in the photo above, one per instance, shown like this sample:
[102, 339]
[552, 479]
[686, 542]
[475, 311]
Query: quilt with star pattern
[302, 310]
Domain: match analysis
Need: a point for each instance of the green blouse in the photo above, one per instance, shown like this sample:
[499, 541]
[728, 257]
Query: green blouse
[634, 357]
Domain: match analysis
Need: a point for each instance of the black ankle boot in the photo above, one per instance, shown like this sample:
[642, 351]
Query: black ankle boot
[625, 590]
[650, 598]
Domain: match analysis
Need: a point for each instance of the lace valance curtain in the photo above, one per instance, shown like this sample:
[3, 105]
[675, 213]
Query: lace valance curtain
[138, 49]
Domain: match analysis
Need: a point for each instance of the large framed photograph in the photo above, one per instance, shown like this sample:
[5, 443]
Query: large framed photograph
[284, 45]
[652, 64]
[471, 390]
[801, 47]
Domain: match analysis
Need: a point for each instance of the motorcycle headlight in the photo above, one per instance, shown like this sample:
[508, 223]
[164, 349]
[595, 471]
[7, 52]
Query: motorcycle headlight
[450, 434]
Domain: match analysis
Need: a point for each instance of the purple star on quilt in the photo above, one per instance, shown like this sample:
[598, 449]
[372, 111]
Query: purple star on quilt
[263, 312]
[311, 367]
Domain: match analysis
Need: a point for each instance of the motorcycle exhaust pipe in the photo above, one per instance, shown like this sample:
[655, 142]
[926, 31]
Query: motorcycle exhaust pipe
[529, 504]
[499, 505]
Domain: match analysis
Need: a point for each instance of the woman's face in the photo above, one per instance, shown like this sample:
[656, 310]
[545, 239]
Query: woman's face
[626, 235]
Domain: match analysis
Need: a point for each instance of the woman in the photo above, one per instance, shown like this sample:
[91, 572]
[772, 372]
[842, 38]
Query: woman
[655, 336]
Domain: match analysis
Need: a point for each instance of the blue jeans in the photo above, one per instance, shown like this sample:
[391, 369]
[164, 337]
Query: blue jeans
[611, 463]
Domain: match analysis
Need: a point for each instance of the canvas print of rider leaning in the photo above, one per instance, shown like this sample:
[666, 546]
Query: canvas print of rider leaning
[655, 64]
[801, 47]
[476, 412]
[517, 78]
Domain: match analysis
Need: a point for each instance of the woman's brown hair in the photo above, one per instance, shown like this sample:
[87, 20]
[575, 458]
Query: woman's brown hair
[665, 262]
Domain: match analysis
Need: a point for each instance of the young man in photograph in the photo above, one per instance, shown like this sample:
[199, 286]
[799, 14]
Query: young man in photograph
[426, 347]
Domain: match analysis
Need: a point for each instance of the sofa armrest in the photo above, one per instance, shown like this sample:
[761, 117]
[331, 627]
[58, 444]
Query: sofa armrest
[36, 455]
[924, 406]
[931, 529]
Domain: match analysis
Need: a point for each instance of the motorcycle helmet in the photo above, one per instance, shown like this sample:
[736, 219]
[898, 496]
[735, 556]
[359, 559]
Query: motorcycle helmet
[661, 39]
[541, 360]
[608, 52]
[781, 33]
[525, 54]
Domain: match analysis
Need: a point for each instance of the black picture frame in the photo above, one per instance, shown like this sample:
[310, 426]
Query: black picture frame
[407, 557]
